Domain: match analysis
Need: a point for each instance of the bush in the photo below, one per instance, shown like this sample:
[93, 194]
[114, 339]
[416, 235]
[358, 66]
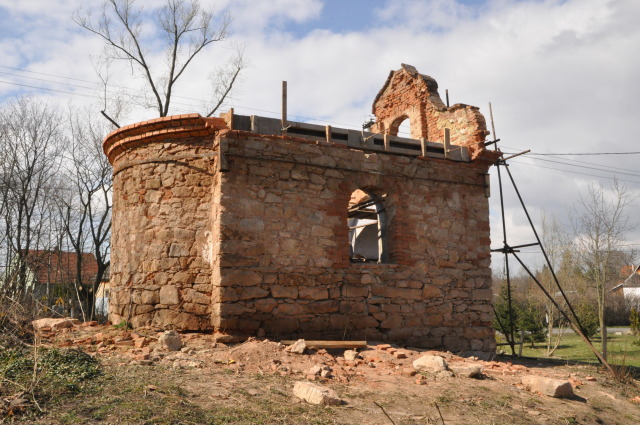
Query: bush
[617, 309]
[15, 322]
[526, 317]
[588, 316]
[634, 321]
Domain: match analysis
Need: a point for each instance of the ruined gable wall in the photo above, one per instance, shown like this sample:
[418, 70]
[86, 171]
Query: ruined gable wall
[161, 218]
[416, 96]
[284, 254]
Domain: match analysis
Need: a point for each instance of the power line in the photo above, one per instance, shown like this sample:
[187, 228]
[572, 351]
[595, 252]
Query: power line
[573, 160]
[143, 91]
[595, 163]
[575, 172]
[587, 153]
[606, 170]
[47, 89]
[48, 75]
[239, 106]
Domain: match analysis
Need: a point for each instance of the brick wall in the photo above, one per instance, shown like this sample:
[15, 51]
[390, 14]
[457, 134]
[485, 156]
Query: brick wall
[257, 241]
[414, 96]
[285, 259]
[160, 267]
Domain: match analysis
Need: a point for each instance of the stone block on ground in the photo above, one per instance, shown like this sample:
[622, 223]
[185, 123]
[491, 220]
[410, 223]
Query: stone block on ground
[170, 340]
[548, 386]
[54, 324]
[298, 347]
[351, 355]
[467, 370]
[316, 394]
[430, 364]
[314, 370]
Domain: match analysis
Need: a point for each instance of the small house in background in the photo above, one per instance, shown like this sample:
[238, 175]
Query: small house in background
[102, 295]
[630, 286]
[52, 275]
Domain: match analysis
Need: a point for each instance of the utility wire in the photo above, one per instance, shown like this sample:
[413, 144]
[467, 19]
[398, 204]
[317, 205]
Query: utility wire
[573, 160]
[592, 163]
[606, 169]
[47, 89]
[575, 172]
[587, 153]
[189, 105]
[241, 107]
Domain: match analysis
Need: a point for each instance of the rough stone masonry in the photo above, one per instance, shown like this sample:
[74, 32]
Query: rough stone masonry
[246, 225]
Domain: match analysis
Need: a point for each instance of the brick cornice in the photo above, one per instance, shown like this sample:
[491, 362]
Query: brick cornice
[159, 130]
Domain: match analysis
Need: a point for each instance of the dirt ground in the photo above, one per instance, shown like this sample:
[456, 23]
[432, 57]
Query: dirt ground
[208, 381]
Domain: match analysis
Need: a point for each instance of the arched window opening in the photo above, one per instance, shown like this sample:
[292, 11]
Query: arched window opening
[367, 228]
[404, 129]
[401, 127]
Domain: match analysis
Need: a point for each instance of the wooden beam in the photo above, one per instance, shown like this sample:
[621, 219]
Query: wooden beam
[284, 106]
[447, 142]
[330, 344]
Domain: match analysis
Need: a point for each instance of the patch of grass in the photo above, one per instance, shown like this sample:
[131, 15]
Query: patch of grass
[622, 349]
[38, 376]
[151, 396]
[444, 399]
[124, 325]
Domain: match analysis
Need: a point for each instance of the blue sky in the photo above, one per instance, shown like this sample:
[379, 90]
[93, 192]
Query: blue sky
[353, 15]
[561, 74]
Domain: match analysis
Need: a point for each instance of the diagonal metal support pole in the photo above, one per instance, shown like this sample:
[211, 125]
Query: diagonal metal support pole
[510, 337]
[544, 253]
[574, 321]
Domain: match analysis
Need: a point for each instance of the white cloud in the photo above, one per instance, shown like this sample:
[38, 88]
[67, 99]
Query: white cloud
[422, 15]
[254, 16]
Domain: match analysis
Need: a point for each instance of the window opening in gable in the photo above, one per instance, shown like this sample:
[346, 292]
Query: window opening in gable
[404, 129]
[367, 228]
[401, 127]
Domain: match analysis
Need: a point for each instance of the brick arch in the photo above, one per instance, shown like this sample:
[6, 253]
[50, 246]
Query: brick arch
[396, 123]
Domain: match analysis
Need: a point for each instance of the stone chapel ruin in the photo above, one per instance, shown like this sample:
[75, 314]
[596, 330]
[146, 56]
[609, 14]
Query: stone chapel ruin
[238, 225]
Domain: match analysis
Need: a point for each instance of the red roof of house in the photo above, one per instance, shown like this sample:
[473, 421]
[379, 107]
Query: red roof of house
[632, 276]
[59, 267]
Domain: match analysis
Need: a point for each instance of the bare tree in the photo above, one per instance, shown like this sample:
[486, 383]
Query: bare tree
[32, 156]
[599, 231]
[86, 203]
[186, 30]
[555, 243]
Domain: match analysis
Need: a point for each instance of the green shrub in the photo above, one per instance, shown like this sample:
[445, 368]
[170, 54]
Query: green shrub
[588, 316]
[526, 316]
[634, 322]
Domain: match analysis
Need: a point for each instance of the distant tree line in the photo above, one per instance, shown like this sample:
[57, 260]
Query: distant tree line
[55, 181]
[55, 195]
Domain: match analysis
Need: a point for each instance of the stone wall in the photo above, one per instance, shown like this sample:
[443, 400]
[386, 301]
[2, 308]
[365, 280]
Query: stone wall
[163, 179]
[221, 229]
[285, 260]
